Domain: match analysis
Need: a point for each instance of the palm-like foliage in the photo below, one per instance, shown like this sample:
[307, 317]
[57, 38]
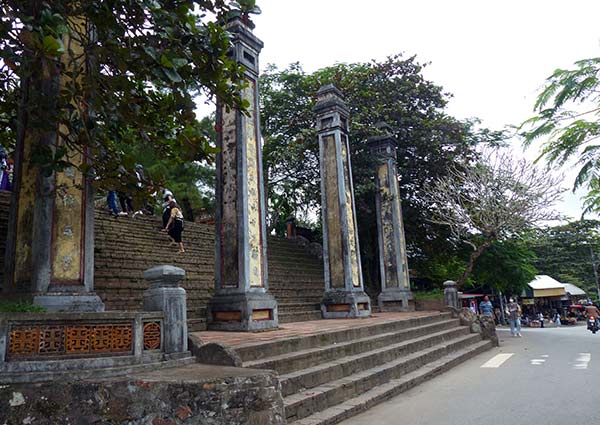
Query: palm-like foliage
[568, 119]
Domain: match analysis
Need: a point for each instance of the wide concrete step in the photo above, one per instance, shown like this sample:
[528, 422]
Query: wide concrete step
[393, 387]
[262, 350]
[302, 380]
[316, 358]
[308, 402]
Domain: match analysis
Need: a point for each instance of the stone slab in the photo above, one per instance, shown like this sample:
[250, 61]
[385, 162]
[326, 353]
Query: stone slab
[69, 302]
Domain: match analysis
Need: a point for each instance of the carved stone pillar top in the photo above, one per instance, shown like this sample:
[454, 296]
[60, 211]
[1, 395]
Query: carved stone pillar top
[384, 145]
[164, 276]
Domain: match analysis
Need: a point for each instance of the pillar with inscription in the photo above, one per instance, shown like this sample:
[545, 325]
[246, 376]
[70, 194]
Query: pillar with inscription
[50, 244]
[395, 285]
[344, 295]
[241, 301]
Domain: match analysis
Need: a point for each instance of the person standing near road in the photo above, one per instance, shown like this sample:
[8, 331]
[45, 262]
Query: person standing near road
[486, 308]
[541, 317]
[514, 317]
[557, 319]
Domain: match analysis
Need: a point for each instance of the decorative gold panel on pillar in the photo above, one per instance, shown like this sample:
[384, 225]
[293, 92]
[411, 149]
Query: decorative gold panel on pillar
[50, 248]
[395, 284]
[344, 295]
[241, 300]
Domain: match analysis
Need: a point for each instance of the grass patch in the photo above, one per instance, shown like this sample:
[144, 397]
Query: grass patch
[20, 307]
[434, 294]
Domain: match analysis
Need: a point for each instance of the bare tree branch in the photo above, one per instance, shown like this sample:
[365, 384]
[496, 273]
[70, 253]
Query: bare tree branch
[493, 199]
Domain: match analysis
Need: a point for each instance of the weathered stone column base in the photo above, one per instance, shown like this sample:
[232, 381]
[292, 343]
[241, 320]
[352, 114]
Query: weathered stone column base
[69, 302]
[395, 300]
[253, 311]
[345, 305]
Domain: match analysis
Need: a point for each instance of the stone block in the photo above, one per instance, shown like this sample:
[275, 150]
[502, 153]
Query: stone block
[345, 305]
[164, 295]
[466, 317]
[395, 300]
[451, 295]
[251, 311]
[216, 354]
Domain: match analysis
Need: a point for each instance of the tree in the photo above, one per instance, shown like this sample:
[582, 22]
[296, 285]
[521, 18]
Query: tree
[507, 266]
[496, 198]
[564, 252]
[568, 110]
[393, 90]
[130, 77]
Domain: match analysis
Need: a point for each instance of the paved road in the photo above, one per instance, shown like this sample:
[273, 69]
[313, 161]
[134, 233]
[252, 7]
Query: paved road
[547, 377]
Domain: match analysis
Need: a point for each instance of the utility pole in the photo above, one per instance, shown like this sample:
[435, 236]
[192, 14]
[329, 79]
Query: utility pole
[595, 266]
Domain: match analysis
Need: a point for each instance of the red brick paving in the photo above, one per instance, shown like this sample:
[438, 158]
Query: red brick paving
[287, 330]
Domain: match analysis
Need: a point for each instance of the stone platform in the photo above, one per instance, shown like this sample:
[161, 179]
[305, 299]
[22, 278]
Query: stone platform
[298, 329]
[330, 370]
[192, 394]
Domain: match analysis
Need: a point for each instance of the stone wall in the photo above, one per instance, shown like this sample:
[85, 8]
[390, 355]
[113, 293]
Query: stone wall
[195, 394]
[430, 305]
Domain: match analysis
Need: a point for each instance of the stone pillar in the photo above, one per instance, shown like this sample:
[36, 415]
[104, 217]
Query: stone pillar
[344, 292]
[164, 294]
[451, 294]
[50, 245]
[241, 301]
[393, 265]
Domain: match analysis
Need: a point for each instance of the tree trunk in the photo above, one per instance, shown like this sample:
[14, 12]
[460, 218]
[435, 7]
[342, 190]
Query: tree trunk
[474, 256]
[187, 206]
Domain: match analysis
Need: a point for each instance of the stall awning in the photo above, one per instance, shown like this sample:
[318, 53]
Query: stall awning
[545, 286]
[572, 290]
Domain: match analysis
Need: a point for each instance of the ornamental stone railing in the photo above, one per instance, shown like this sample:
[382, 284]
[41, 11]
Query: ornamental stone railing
[56, 336]
[59, 342]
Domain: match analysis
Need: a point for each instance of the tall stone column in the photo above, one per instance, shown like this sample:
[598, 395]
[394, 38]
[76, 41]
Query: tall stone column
[395, 284]
[241, 301]
[50, 245]
[344, 292]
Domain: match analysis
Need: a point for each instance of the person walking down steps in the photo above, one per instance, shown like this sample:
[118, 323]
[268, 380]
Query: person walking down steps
[174, 226]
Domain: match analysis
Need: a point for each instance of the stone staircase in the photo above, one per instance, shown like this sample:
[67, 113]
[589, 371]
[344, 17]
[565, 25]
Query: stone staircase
[295, 280]
[330, 376]
[125, 247]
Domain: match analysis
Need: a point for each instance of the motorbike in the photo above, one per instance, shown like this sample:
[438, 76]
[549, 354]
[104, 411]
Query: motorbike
[592, 324]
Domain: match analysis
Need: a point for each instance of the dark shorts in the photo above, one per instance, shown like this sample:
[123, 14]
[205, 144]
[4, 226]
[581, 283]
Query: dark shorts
[175, 230]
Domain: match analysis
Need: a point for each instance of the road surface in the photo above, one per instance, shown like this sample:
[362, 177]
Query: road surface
[549, 376]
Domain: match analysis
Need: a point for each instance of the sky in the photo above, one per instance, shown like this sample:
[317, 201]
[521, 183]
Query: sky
[493, 57]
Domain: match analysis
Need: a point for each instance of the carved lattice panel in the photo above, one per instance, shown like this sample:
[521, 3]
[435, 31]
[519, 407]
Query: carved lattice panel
[40, 340]
[78, 339]
[24, 341]
[122, 338]
[101, 339]
[52, 340]
[151, 336]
